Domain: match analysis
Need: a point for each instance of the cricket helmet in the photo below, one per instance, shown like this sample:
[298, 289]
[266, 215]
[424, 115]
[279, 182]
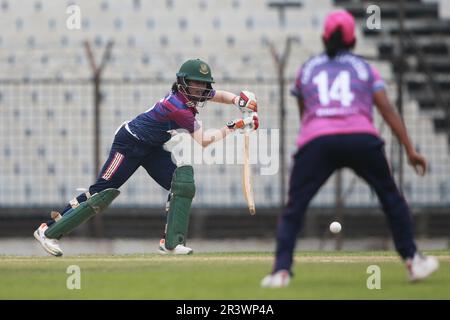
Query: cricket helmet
[195, 70]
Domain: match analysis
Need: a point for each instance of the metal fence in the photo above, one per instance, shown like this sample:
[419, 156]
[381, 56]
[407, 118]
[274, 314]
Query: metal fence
[47, 146]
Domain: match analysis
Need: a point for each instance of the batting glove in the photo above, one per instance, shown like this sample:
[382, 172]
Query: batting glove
[246, 102]
[251, 122]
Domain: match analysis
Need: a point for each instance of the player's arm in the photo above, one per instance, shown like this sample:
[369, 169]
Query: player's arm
[301, 107]
[225, 97]
[205, 139]
[296, 91]
[245, 101]
[394, 121]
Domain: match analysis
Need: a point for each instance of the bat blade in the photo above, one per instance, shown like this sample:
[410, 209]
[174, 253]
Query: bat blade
[247, 177]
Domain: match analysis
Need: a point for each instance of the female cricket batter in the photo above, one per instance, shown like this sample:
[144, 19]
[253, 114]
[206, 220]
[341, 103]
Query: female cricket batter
[335, 92]
[140, 142]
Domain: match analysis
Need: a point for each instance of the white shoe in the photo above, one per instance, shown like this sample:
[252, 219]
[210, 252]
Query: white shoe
[179, 249]
[49, 245]
[278, 279]
[420, 267]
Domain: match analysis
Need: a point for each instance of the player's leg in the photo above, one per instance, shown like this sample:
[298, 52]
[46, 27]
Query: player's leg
[120, 165]
[313, 165]
[161, 168]
[373, 167]
[124, 159]
[116, 170]
[83, 212]
[180, 182]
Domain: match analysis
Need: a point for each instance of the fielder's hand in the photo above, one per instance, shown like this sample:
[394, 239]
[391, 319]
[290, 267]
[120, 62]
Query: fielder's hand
[418, 162]
[246, 102]
[251, 122]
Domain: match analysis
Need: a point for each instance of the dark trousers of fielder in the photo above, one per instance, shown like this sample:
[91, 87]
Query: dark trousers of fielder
[126, 156]
[313, 165]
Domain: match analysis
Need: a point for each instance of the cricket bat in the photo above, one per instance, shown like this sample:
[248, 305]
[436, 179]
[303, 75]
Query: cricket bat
[247, 177]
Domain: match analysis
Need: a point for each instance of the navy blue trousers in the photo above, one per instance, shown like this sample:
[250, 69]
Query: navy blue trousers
[313, 165]
[126, 156]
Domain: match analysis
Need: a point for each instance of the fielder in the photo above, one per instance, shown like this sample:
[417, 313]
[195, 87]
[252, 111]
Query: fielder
[141, 142]
[335, 92]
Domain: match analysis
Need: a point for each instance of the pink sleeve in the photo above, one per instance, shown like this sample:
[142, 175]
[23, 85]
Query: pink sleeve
[185, 119]
[378, 82]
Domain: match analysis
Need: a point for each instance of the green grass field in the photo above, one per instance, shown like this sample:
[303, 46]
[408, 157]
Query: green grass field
[318, 275]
